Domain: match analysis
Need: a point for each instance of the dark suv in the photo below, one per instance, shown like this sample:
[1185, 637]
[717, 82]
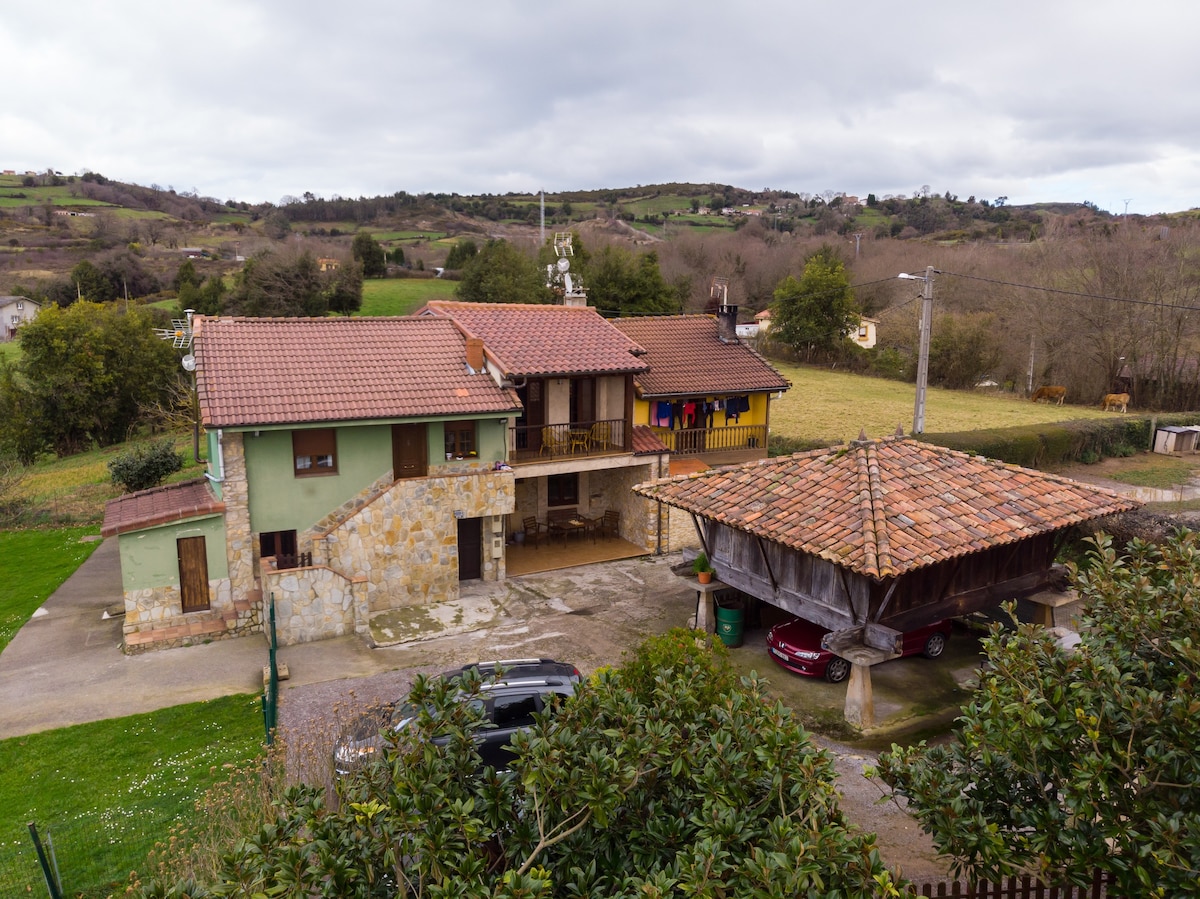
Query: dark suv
[511, 692]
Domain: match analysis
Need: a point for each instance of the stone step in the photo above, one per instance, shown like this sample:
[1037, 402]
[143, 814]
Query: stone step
[188, 630]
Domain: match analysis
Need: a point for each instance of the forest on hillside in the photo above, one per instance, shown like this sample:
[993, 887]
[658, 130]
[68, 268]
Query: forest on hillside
[1023, 296]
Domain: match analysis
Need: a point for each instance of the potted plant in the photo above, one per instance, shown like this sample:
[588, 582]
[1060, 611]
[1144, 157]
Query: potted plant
[702, 569]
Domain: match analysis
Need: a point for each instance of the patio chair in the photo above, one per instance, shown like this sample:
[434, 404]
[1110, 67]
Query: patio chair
[601, 435]
[534, 531]
[610, 524]
[554, 441]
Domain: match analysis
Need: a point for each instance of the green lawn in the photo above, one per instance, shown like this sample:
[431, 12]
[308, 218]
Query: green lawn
[403, 296]
[835, 406]
[32, 565]
[107, 791]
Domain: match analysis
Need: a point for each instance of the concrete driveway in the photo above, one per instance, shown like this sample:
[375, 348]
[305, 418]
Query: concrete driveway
[65, 666]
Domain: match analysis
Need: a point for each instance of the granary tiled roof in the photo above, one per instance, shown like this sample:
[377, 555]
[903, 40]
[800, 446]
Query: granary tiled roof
[531, 340]
[266, 371]
[687, 358]
[159, 505]
[883, 508]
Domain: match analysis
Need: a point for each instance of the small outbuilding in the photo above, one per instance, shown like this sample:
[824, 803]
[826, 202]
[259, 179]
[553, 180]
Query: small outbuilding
[883, 536]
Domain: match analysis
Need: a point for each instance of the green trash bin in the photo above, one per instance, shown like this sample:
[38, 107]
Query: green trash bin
[730, 615]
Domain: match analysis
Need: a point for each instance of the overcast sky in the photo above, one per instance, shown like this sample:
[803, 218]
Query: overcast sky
[1053, 100]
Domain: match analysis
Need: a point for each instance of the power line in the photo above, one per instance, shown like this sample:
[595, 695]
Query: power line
[1074, 293]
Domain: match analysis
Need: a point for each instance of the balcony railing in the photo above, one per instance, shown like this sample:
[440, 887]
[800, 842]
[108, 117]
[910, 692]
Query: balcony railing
[692, 441]
[564, 441]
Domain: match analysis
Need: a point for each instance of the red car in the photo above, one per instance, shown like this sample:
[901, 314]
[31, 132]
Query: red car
[796, 645]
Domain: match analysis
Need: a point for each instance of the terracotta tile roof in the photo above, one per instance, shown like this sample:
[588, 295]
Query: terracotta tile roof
[687, 358]
[883, 508]
[265, 371]
[159, 505]
[646, 442]
[530, 340]
[687, 465]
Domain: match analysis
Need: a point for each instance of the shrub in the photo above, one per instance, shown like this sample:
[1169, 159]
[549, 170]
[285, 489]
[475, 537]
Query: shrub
[145, 466]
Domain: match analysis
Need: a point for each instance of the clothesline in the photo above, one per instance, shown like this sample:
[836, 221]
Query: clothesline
[698, 413]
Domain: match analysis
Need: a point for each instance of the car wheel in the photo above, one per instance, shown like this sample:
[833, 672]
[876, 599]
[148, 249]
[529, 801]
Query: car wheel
[837, 671]
[935, 646]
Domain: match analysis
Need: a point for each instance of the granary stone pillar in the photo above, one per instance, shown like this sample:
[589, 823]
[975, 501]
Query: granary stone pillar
[860, 699]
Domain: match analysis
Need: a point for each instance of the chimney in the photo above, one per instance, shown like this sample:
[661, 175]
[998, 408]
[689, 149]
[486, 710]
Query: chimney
[475, 354]
[727, 323]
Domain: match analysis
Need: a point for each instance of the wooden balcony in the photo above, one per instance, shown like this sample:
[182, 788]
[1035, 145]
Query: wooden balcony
[695, 441]
[566, 441]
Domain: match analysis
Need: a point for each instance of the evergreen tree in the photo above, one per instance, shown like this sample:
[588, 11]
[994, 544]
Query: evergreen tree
[500, 273]
[813, 314]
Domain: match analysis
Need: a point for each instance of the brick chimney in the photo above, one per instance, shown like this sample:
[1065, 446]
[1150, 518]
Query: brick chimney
[475, 354]
[727, 323]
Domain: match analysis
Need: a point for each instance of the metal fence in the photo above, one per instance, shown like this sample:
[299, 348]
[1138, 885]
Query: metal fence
[84, 857]
[270, 699]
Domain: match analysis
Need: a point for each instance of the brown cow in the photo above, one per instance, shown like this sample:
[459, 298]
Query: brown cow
[1050, 393]
[1113, 400]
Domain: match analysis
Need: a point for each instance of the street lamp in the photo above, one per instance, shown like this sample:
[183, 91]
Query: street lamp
[923, 354]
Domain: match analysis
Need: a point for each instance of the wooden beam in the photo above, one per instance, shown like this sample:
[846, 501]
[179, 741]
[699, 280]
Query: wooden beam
[799, 604]
[762, 552]
[977, 600]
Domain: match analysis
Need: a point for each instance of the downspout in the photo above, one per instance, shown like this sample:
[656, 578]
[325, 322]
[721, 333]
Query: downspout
[220, 477]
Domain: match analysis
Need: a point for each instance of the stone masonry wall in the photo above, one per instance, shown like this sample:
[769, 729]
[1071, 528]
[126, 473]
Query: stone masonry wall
[154, 618]
[239, 541]
[313, 603]
[404, 544]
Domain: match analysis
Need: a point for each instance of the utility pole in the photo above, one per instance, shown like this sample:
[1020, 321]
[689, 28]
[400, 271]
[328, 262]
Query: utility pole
[926, 325]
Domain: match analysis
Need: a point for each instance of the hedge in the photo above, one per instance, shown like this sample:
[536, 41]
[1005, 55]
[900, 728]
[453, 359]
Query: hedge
[1063, 443]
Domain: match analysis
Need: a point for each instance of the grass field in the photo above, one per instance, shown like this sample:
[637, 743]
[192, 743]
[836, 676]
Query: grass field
[402, 296]
[73, 490]
[107, 791]
[32, 565]
[835, 407]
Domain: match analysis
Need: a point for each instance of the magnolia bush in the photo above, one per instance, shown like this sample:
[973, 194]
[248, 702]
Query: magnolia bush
[666, 776]
[1069, 762]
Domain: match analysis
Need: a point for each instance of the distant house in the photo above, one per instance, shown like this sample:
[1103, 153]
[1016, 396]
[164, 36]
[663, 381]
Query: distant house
[865, 335]
[14, 312]
[327, 264]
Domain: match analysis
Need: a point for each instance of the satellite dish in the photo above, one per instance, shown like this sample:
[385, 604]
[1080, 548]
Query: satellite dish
[563, 264]
[189, 362]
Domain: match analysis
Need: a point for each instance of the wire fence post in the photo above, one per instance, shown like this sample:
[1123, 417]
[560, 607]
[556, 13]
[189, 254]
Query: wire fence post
[51, 880]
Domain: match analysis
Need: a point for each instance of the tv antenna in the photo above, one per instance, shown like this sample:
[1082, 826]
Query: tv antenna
[180, 335]
[558, 274]
[180, 332]
[718, 290]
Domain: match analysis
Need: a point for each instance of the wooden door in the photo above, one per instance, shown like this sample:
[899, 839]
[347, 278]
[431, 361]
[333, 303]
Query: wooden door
[193, 573]
[470, 549]
[410, 451]
[532, 417]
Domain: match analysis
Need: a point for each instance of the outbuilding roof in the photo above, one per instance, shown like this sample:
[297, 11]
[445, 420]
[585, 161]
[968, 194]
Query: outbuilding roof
[159, 505]
[885, 507]
[269, 371]
[532, 340]
[687, 358]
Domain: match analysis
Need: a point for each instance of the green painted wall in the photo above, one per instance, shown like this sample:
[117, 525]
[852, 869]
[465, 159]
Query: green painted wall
[149, 558]
[280, 501]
